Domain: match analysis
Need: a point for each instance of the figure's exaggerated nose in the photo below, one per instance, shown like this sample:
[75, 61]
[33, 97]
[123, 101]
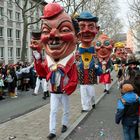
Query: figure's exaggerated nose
[54, 33]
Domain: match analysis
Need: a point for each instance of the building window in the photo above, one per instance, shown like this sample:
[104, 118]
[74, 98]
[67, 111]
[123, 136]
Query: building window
[9, 33]
[10, 53]
[1, 32]
[17, 16]
[1, 52]
[18, 52]
[9, 14]
[17, 34]
[1, 12]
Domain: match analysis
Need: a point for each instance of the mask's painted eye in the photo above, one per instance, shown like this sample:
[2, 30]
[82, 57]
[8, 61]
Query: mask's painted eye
[98, 43]
[107, 43]
[65, 30]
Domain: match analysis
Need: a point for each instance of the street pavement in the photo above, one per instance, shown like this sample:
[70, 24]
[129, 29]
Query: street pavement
[11, 108]
[100, 122]
[35, 125]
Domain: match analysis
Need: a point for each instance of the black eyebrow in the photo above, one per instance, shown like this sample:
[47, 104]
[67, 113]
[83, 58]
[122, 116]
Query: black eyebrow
[62, 21]
[47, 24]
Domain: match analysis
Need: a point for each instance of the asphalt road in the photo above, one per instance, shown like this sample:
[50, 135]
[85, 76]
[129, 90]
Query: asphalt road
[100, 123]
[11, 108]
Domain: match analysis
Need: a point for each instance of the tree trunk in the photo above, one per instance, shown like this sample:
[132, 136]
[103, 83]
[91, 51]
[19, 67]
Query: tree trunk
[24, 43]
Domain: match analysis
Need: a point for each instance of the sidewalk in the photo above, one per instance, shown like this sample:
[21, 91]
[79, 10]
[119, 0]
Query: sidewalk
[35, 125]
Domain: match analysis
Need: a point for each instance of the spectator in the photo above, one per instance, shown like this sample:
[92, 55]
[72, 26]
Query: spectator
[127, 111]
[10, 79]
[121, 74]
[1, 87]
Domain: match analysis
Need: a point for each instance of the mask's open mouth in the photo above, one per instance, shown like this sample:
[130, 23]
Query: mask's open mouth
[55, 43]
[86, 35]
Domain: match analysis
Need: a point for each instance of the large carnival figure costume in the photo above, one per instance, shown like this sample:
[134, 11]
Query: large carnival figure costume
[120, 54]
[41, 73]
[87, 69]
[104, 46]
[59, 39]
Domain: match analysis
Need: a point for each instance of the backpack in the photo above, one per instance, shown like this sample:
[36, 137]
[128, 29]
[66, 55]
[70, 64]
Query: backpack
[131, 109]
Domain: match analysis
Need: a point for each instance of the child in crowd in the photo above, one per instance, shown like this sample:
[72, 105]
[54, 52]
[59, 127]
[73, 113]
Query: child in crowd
[1, 87]
[127, 111]
[10, 79]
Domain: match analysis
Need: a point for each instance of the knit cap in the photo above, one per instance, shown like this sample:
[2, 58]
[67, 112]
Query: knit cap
[127, 88]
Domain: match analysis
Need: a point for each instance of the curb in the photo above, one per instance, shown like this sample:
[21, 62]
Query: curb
[82, 117]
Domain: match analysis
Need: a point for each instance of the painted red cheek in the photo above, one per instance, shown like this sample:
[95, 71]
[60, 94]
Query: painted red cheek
[44, 39]
[94, 33]
[67, 37]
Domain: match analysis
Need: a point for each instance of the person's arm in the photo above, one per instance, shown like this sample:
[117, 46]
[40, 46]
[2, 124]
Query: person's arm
[119, 115]
[98, 70]
[120, 112]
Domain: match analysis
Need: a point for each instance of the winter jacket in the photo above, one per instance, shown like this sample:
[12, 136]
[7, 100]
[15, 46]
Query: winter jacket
[127, 112]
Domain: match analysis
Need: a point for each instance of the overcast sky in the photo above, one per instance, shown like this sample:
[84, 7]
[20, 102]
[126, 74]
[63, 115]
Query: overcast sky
[123, 13]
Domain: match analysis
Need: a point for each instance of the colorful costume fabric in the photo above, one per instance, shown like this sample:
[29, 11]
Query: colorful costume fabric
[105, 77]
[103, 50]
[87, 68]
[59, 41]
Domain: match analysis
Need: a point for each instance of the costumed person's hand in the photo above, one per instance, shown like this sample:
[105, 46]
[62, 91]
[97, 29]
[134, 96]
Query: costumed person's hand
[108, 70]
[36, 54]
[96, 66]
[64, 92]
[36, 50]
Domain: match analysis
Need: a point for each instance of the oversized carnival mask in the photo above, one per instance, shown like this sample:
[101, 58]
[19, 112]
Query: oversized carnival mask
[36, 45]
[120, 50]
[58, 34]
[103, 48]
[88, 27]
[35, 41]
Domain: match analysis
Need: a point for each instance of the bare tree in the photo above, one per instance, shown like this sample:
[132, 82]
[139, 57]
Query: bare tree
[134, 17]
[106, 10]
[72, 6]
[27, 17]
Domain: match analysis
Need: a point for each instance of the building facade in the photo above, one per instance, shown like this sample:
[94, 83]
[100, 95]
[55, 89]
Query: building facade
[11, 30]
[137, 42]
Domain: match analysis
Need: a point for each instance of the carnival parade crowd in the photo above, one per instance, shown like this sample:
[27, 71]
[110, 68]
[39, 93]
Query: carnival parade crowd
[59, 36]
[15, 78]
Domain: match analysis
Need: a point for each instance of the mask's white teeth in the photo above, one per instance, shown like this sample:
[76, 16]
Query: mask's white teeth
[55, 46]
[54, 42]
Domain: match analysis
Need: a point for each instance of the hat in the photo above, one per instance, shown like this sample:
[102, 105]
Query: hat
[126, 88]
[134, 62]
[36, 35]
[51, 9]
[87, 16]
[119, 45]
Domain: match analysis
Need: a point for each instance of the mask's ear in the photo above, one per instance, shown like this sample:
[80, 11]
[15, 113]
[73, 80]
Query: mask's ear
[76, 26]
[94, 43]
[98, 28]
